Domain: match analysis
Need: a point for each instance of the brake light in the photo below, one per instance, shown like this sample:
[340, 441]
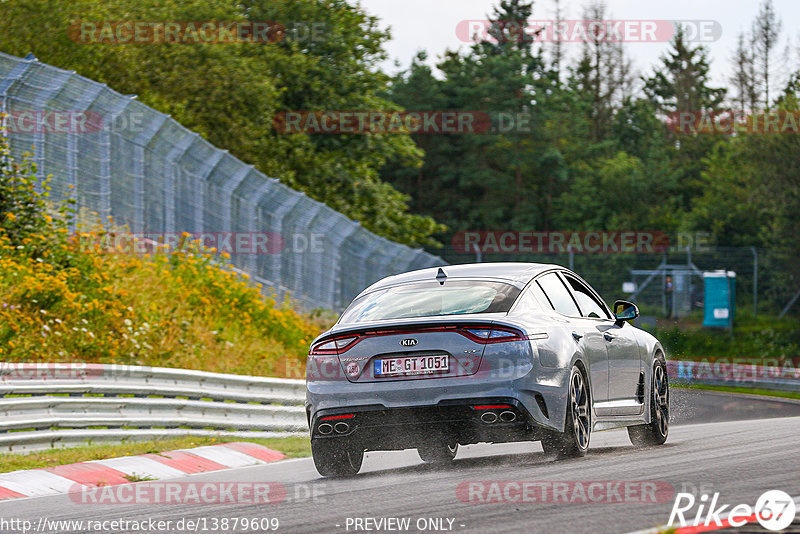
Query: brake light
[334, 346]
[492, 334]
[492, 407]
[478, 334]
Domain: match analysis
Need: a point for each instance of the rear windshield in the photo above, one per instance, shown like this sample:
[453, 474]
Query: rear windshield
[427, 299]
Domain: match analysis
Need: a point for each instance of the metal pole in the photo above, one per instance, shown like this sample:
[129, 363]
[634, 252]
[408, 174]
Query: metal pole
[755, 281]
[478, 255]
[3, 113]
[664, 284]
[571, 259]
[730, 302]
[3, 131]
[789, 306]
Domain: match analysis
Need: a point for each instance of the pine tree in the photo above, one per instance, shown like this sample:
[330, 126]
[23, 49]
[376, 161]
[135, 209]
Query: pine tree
[744, 76]
[604, 74]
[682, 81]
[766, 30]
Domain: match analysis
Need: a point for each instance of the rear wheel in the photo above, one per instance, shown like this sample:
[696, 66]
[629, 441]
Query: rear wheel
[336, 459]
[574, 441]
[438, 453]
[654, 433]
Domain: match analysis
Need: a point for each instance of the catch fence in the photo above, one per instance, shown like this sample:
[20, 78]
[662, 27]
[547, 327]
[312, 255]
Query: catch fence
[117, 157]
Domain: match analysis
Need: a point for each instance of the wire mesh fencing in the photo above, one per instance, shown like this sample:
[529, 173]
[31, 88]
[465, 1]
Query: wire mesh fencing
[117, 157]
[664, 280]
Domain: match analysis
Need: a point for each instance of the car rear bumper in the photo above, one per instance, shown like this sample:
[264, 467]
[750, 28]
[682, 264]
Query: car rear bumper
[466, 421]
[410, 410]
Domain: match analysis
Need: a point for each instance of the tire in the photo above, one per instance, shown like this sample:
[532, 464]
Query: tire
[655, 432]
[438, 453]
[574, 441]
[333, 458]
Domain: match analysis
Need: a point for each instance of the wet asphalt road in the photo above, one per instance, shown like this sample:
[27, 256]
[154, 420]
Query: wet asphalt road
[739, 446]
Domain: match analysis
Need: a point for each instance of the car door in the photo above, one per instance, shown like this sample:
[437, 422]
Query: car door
[584, 332]
[625, 366]
[624, 363]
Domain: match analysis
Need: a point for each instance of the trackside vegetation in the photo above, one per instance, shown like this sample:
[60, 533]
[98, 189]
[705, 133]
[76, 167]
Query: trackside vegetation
[67, 297]
[294, 447]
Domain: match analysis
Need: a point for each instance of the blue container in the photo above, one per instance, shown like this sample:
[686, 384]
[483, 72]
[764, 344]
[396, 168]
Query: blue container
[720, 298]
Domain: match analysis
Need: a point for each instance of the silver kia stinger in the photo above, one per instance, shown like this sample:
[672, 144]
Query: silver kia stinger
[491, 352]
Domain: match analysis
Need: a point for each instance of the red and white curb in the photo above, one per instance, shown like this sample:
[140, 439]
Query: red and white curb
[128, 469]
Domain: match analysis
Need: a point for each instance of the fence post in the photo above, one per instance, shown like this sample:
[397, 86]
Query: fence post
[755, 281]
[789, 306]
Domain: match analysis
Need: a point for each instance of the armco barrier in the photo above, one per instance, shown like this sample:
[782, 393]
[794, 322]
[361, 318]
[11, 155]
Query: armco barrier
[734, 374]
[48, 405]
[55, 405]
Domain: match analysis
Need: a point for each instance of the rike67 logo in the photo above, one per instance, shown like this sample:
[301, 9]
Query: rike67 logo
[774, 510]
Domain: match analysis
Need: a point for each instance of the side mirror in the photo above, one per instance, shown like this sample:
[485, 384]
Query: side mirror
[625, 311]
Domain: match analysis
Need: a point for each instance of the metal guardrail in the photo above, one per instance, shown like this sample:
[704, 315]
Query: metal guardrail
[50, 405]
[734, 374]
[57, 405]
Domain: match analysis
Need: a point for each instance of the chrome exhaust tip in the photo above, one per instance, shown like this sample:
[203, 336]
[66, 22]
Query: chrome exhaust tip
[508, 417]
[341, 428]
[489, 417]
[325, 428]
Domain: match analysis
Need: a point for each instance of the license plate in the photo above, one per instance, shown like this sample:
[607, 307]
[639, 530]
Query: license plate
[412, 365]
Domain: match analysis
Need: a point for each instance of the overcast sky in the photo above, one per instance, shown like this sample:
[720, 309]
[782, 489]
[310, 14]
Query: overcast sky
[431, 25]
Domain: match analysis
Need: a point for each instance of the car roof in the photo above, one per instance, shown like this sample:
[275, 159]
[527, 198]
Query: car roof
[516, 273]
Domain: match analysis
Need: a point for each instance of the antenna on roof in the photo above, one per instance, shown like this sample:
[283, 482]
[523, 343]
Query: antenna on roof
[441, 276]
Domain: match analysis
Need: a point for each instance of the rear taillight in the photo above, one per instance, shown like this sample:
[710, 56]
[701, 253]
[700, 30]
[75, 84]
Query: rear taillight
[500, 335]
[334, 346]
[478, 334]
[492, 334]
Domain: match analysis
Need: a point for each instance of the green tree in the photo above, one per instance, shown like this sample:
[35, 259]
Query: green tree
[681, 84]
[752, 198]
[682, 81]
[229, 93]
[603, 75]
[466, 179]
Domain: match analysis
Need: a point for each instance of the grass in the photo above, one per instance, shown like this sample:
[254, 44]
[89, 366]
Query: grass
[741, 390]
[135, 477]
[763, 340]
[293, 447]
